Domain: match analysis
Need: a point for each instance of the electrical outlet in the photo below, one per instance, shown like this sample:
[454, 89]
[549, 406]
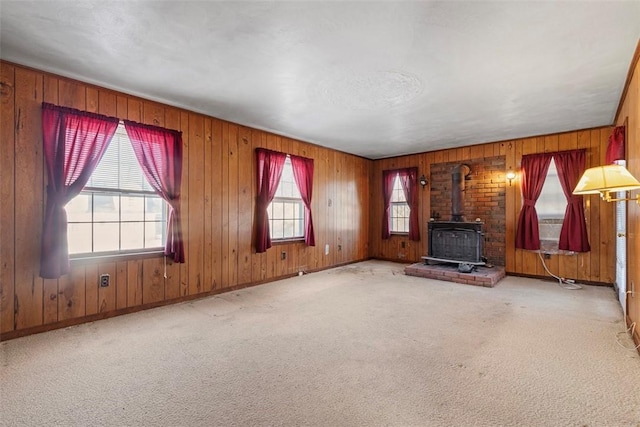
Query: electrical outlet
[339, 247]
[326, 249]
[104, 280]
[283, 255]
[403, 245]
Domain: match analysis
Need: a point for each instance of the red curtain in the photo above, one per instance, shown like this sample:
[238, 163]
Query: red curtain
[159, 152]
[533, 174]
[409, 181]
[388, 177]
[303, 174]
[573, 235]
[74, 142]
[615, 148]
[270, 165]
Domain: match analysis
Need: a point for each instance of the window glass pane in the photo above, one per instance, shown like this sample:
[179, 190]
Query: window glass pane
[79, 209]
[132, 235]
[286, 211]
[550, 207]
[106, 207]
[154, 234]
[289, 210]
[106, 237]
[287, 186]
[119, 167]
[79, 238]
[397, 194]
[552, 203]
[106, 173]
[132, 208]
[278, 210]
[154, 208]
[277, 229]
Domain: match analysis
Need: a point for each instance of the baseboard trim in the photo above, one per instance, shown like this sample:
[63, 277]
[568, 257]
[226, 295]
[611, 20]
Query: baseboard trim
[636, 332]
[5, 336]
[551, 279]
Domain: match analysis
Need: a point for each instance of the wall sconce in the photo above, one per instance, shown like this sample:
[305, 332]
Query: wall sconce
[511, 175]
[423, 181]
[605, 179]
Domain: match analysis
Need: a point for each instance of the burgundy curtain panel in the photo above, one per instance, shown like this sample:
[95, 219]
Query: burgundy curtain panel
[616, 148]
[270, 165]
[74, 142]
[409, 181]
[159, 153]
[303, 174]
[533, 174]
[573, 234]
[388, 176]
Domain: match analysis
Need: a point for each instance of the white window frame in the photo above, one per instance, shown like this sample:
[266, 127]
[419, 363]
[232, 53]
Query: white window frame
[398, 203]
[117, 195]
[550, 221]
[291, 216]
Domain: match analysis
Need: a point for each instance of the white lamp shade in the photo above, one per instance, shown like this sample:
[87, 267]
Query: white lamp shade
[606, 178]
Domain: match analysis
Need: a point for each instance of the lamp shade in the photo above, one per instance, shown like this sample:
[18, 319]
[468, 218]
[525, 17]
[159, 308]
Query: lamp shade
[606, 178]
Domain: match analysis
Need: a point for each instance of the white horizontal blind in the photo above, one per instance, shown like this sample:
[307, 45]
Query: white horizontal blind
[119, 169]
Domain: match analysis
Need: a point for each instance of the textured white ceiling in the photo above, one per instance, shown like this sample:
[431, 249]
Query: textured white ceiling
[375, 79]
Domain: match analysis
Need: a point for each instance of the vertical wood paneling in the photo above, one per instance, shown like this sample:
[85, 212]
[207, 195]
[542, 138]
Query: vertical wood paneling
[258, 260]
[216, 204]
[107, 295]
[629, 115]
[51, 287]
[184, 202]
[245, 175]
[196, 203]
[29, 198]
[225, 204]
[7, 197]
[91, 289]
[172, 281]
[232, 206]
[121, 285]
[207, 268]
[134, 283]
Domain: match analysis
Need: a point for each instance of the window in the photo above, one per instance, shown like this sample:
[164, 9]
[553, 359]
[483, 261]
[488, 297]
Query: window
[286, 211]
[551, 206]
[117, 211]
[399, 217]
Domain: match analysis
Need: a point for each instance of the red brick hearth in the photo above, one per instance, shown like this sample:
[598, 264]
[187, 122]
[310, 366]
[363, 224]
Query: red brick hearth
[481, 276]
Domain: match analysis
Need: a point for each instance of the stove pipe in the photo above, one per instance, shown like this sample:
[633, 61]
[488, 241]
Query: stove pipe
[458, 175]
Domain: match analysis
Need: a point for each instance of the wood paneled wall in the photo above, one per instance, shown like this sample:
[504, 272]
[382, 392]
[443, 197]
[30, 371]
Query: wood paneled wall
[218, 200]
[595, 266]
[629, 114]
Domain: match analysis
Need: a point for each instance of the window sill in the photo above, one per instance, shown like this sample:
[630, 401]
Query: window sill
[397, 233]
[96, 259]
[287, 241]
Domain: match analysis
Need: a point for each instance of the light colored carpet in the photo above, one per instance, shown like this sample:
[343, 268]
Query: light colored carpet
[357, 345]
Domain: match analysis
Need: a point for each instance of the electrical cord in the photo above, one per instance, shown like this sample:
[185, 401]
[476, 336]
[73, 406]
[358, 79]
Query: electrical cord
[562, 282]
[632, 329]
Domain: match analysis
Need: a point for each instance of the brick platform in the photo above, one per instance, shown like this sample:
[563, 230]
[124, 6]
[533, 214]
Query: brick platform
[481, 276]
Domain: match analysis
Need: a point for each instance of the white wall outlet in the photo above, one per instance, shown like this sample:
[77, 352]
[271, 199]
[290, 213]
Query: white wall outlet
[326, 249]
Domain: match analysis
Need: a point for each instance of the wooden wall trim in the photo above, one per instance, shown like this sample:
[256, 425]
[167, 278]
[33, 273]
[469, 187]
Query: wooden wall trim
[627, 82]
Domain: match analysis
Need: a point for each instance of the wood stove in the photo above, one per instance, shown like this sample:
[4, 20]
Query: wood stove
[456, 242]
